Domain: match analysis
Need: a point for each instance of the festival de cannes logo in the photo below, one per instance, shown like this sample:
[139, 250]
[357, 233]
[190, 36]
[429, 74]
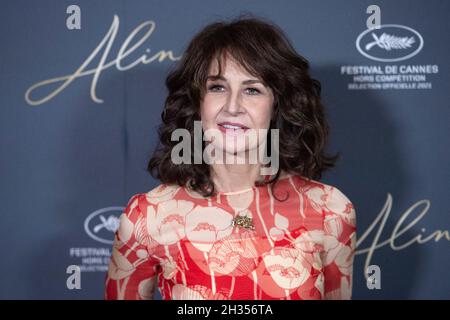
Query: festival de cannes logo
[389, 43]
[101, 224]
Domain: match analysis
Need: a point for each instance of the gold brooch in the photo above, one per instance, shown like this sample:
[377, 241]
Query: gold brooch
[243, 222]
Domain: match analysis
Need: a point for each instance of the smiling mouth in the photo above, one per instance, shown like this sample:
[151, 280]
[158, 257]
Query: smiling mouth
[227, 127]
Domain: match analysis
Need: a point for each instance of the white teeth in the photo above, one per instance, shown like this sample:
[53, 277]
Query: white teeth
[230, 126]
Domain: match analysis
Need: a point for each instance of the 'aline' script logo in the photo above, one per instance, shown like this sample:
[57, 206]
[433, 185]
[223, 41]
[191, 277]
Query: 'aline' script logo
[399, 229]
[105, 45]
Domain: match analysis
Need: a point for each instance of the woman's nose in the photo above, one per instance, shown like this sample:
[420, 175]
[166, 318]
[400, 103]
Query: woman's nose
[233, 104]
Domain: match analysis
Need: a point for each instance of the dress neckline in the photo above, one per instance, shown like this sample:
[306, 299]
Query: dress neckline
[253, 188]
[230, 193]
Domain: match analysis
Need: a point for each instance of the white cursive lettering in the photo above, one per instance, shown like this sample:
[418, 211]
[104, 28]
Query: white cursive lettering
[106, 44]
[398, 230]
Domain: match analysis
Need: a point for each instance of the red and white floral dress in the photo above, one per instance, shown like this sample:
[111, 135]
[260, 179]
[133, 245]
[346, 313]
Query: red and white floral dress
[186, 245]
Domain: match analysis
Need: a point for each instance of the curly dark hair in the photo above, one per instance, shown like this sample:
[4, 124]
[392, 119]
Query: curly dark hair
[264, 51]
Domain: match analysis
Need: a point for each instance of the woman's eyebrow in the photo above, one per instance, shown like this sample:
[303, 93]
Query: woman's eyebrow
[249, 81]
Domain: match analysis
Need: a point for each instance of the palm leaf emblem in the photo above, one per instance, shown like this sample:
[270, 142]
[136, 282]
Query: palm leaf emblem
[388, 42]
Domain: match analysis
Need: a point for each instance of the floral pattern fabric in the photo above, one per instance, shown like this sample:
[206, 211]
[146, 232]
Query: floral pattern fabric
[174, 239]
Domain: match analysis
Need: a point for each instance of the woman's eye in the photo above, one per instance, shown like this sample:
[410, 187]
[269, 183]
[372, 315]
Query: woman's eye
[214, 87]
[253, 91]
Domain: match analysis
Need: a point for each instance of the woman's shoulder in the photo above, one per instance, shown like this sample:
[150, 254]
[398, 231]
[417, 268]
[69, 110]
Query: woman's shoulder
[162, 192]
[329, 200]
[159, 193]
[331, 196]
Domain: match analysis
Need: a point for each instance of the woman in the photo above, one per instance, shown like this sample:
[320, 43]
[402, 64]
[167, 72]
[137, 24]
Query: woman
[232, 230]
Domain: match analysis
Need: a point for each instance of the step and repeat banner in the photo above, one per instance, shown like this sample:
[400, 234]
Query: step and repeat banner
[82, 90]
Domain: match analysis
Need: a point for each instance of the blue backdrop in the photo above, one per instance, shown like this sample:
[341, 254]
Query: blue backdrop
[79, 110]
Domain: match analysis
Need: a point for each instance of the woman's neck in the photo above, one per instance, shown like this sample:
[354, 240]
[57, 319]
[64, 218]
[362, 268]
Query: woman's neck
[234, 177]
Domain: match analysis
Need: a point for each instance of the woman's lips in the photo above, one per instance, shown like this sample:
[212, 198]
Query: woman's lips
[232, 128]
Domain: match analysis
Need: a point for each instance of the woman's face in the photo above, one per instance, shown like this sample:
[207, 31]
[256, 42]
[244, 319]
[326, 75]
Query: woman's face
[236, 105]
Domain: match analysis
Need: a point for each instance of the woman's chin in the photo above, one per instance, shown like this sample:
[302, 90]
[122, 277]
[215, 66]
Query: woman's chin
[238, 155]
